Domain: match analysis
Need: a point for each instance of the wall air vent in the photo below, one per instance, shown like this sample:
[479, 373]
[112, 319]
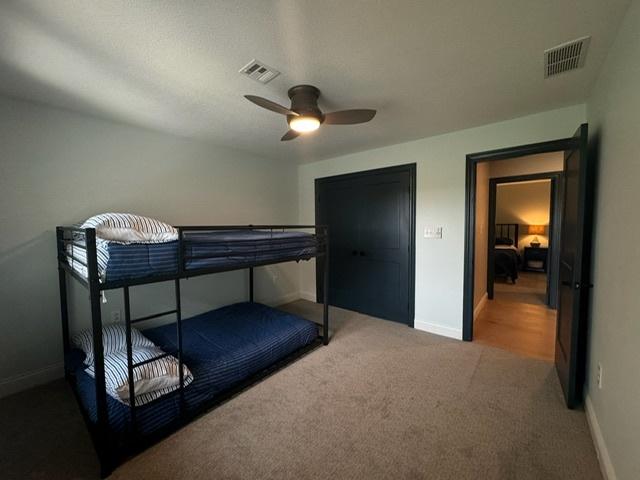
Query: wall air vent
[565, 57]
[259, 71]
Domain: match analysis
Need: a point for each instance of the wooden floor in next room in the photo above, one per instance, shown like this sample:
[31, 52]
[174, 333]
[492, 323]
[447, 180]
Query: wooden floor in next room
[517, 319]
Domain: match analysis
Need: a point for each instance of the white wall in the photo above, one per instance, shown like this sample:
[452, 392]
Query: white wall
[59, 167]
[440, 201]
[614, 116]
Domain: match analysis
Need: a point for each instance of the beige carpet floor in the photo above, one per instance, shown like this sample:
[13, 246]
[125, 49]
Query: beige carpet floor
[382, 401]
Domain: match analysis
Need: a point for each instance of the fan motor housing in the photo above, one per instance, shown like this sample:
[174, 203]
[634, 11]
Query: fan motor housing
[304, 101]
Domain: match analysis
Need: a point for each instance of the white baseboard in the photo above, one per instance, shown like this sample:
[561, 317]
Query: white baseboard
[23, 381]
[310, 296]
[480, 306]
[608, 472]
[438, 329]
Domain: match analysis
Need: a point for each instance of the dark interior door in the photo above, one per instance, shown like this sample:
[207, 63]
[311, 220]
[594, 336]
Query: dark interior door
[555, 229]
[341, 205]
[575, 254]
[370, 219]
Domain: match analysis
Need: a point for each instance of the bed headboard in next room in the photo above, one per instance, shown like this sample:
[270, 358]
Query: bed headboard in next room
[508, 230]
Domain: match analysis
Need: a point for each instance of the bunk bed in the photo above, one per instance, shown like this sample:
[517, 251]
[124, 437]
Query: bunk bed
[218, 353]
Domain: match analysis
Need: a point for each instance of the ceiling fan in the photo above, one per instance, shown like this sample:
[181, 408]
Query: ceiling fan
[304, 115]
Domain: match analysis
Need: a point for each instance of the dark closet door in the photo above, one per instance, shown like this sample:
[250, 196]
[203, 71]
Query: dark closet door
[575, 253]
[370, 218]
[385, 246]
[341, 202]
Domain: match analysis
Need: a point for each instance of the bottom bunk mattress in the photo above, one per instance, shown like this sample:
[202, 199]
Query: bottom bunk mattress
[222, 348]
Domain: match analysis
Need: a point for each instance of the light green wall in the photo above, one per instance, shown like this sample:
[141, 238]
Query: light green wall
[614, 117]
[59, 167]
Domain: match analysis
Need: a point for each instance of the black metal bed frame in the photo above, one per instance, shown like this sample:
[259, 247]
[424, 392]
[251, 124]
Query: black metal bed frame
[511, 229]
[109, 455]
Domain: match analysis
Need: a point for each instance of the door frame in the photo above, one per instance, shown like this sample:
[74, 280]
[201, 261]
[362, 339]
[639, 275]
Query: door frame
[472, 160]
[409, 168]
[555, 217]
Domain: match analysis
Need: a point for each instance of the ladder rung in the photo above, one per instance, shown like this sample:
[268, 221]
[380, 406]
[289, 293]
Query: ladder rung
[149, 360]
[155, 315]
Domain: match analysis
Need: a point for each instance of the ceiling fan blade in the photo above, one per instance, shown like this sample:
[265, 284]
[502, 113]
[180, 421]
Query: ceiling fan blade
[290, 135]
[269, 105]
[349, 117]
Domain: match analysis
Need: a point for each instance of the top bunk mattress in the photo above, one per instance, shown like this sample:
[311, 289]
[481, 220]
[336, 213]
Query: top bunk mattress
[207, 249]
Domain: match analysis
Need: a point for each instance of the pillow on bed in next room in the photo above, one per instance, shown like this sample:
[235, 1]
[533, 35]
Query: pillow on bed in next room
[504, 241]
[130, 228]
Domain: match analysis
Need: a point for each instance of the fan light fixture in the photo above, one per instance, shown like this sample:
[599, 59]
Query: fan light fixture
[304, 124]
[304, 116]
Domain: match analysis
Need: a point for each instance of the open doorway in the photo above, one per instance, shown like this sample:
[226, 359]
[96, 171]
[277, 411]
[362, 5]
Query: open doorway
[573, 252]
[518, 263]
[521, 258]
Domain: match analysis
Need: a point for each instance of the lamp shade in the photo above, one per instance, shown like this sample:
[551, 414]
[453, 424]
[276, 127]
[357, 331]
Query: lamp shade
[536, 229]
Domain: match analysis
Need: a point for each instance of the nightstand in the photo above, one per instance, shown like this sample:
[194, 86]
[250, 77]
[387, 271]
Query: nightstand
[539, 254]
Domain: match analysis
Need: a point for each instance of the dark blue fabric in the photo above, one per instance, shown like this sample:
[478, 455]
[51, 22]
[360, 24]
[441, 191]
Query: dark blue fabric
[228, 248]
[141, 259]
[222, 348]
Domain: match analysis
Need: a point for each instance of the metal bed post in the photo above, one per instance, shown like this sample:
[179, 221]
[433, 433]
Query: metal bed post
[98, 351]
[251, 284]
[181, 268]
[132, 393]
[179, 340]
[64, 307]
[325, 289]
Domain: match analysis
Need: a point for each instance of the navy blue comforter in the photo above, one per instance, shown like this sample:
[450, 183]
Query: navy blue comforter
[222, 348]
[224, 248]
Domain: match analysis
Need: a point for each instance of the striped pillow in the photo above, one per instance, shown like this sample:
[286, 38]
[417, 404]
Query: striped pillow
[151, 380]
[114, 338]
[130, 228]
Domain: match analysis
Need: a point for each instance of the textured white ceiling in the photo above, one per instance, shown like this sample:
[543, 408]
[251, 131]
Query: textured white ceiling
[428, 67]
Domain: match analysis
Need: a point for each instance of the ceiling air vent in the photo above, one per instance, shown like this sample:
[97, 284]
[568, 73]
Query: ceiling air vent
[565, 57]
[259, 71]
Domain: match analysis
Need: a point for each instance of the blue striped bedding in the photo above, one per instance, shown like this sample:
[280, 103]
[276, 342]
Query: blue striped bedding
[222, 348]
[119, 261]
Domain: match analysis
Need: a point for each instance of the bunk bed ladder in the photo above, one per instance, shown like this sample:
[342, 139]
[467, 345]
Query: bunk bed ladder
[179, 340]
[181, 269]
[132, 393]
[131, 366]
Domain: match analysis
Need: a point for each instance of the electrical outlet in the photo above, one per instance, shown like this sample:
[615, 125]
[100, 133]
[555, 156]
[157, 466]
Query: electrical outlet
[599, 376]
[116, 316]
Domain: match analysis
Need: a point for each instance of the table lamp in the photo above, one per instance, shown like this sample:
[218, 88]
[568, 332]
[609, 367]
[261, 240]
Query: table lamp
[535, 230]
